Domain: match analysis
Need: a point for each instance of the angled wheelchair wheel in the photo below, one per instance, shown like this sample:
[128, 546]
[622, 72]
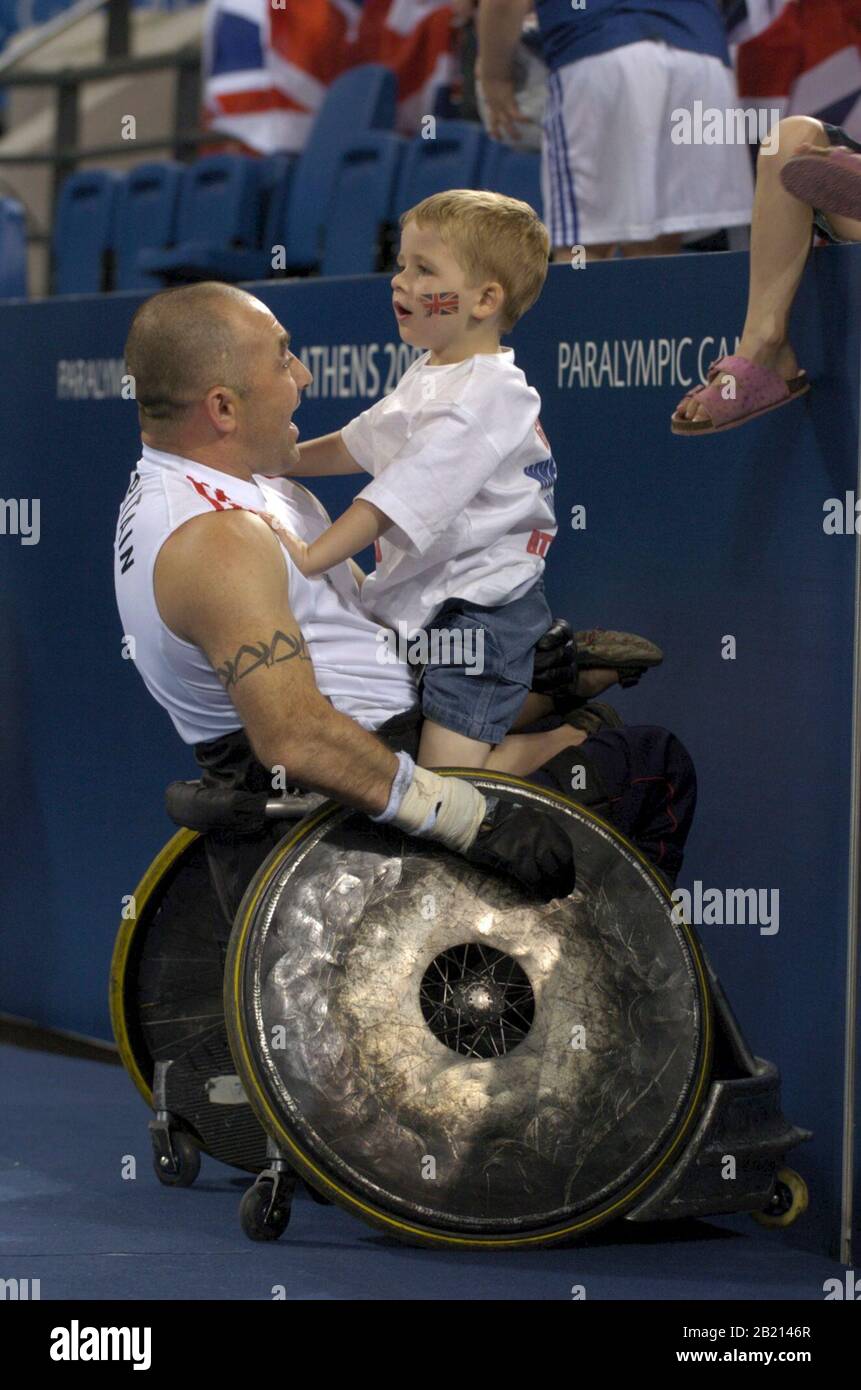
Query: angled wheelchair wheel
[166, 1001]
[452, 1061]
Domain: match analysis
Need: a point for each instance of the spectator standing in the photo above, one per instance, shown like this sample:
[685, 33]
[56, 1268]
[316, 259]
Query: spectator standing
[613, 175]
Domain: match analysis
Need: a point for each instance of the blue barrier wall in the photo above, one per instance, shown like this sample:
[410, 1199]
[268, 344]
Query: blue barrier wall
[687, 541]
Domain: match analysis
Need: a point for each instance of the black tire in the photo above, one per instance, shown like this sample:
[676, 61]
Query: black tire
[188, 1161]
[166, 1000]
[253, 1213]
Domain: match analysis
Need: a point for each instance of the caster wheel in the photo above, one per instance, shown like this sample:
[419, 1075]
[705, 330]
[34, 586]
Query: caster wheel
[187, 1158]
[317, 1196]
[257, 1220]
[788, 1202]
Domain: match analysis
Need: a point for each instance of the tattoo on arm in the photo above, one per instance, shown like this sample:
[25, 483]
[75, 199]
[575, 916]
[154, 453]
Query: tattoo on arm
[252, 655]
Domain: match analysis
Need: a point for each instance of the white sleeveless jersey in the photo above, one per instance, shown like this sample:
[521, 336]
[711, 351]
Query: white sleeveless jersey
[353, 666]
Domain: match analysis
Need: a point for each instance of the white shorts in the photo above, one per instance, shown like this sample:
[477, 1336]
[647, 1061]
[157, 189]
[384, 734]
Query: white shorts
[610, 171]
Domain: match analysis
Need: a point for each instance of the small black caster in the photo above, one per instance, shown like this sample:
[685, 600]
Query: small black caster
[788, 1201]
[176, 1159]
[264, 1212]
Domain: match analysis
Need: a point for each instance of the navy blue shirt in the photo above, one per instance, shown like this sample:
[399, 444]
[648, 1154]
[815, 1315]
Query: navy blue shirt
[568, 34]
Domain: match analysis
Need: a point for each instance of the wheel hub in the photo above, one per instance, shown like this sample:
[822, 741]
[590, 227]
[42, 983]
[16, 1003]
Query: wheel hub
[477, 1000]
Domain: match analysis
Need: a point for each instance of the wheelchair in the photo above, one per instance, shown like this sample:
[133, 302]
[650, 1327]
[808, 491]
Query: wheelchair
[425, 1045]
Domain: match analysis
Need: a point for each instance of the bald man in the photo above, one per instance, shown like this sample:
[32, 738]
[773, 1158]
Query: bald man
[260, 668]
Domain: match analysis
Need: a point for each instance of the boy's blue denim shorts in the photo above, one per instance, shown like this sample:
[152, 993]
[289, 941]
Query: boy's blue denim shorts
[481, 694]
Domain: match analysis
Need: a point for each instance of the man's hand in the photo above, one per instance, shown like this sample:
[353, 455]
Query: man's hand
[518, 841]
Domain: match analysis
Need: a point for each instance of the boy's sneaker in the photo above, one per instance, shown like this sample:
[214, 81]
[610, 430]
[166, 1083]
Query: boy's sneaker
[624, 652]
[594, 716]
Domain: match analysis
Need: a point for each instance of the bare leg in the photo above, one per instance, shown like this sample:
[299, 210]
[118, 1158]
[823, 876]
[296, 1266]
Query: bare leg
[439, 747]
[518, 753]
[669, 244]
[534, 707]
[665, 245]
[523, 753]
[593, 253]
[779, 246]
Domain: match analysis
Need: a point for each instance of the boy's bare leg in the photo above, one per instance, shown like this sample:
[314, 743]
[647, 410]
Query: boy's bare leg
[534, 707]
[517, 753]
[525, 753]
[439, 747]
[779, 246]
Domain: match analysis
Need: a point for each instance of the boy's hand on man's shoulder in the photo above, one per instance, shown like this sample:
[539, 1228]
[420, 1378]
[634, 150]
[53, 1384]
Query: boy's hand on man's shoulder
[296, 549]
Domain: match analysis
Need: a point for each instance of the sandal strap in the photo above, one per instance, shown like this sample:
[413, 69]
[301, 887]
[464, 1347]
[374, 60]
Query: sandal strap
[757, 388]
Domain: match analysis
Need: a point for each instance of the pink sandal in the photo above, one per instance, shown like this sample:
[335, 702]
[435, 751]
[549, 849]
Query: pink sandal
[758, 390]
[830, 183]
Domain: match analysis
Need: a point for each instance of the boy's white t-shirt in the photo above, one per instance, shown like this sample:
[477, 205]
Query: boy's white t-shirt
[463, 469]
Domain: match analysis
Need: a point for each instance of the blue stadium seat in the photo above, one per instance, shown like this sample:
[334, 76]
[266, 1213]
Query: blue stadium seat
[43, 10]
[452, 160]
[144, 219]
[517, 173]
[9, 20]
[217, 226]
[360, 100]
[366, 179]
[276, 179]
[13, 250]
[82, 231]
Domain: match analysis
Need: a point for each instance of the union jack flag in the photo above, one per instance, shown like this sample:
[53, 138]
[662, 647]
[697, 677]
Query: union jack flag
[801, 57]
[268, 63]
[445, 303]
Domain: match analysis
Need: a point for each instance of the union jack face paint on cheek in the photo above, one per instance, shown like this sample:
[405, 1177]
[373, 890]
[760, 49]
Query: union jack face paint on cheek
[445, 303]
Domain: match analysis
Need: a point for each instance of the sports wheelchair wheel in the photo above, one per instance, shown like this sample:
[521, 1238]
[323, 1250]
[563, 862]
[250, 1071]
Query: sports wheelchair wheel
[166, 1001]
[452, 1061]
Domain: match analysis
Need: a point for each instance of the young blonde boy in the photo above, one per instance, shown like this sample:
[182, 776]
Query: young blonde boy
[460, 506]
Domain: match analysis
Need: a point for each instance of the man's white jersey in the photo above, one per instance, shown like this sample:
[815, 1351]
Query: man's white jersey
[352, 665]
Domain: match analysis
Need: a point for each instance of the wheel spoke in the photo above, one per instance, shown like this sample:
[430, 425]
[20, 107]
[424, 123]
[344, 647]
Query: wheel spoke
[477, 1000]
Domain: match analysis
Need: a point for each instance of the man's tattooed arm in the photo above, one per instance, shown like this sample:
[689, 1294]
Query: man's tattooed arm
[252, 655]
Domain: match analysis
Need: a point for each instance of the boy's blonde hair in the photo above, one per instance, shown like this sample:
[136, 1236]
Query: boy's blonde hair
[492, 238]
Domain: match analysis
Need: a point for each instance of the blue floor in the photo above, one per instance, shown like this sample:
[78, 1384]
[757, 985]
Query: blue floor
[70, 1220]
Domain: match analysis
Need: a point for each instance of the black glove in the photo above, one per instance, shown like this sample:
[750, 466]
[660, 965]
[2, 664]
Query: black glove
[531, 846]
[555, 668]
